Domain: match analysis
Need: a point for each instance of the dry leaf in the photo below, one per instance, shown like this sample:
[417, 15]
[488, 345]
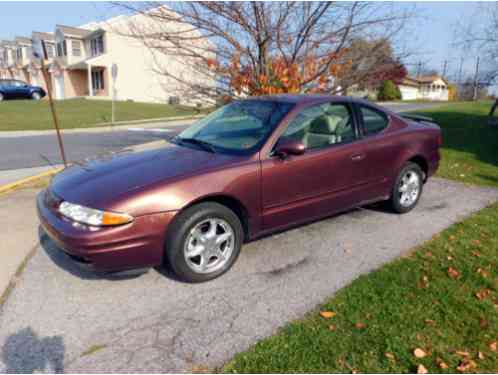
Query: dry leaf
[463, 354]
[360, 325]
[449, 257]
[430, 322]
[419, 353]
[476, 254]
[483, 323]
[452, 238]
[332, 327]
[327, 314]
[443, 365]
[390, 355]
[476, 242]
[421, 369]
[492, 346]
[482, 272]
[483, 294]
[480, 355]
[453, 273]
[466, 364]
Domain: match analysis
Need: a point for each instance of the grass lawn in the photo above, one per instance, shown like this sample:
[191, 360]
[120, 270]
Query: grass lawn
[79, 113]
[435, 310]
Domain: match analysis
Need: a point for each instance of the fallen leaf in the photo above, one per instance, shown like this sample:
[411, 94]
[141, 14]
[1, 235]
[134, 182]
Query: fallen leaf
[492, 346]
[419, 353]
[482, 272]
[327, 314]
[430, 322]
[452, 238]
[360, 325]
[476, 254]
[480, 355]
[332, 327]
[449, 257]
[466, 364]
[463, 354]
[421, 369]
[443, 365]
[483, 323]
[482, 294]
[476, 242]
[453, 273]
[390, 355]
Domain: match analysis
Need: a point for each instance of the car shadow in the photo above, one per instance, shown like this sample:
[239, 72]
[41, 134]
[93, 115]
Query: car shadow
[65, 263]
[25, 352]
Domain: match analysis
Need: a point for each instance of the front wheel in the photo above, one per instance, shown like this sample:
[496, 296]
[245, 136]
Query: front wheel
[407, 188]
[36, 96]
[204, 242]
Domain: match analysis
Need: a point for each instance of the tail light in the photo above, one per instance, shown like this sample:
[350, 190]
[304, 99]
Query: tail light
[440, 140]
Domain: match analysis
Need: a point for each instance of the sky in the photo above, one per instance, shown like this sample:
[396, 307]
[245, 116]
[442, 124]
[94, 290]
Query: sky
[431, 33]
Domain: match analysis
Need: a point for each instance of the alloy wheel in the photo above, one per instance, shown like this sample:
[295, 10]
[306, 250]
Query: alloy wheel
[209, 245]
[409, 188]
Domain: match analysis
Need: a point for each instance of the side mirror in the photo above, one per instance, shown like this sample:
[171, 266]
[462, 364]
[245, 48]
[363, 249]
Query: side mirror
[289, 147]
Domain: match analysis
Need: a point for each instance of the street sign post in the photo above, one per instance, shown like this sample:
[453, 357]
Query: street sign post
[114, 74]
[40, 53]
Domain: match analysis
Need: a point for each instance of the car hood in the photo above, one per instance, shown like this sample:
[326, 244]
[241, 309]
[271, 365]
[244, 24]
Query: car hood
[100, 182]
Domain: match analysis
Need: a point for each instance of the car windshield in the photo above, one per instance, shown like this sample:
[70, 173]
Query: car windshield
[240, 127]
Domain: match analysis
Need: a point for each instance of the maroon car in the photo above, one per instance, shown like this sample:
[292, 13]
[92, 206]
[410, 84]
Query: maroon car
[250, 168]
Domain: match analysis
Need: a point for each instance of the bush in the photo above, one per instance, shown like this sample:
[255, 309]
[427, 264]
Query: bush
[388, 91]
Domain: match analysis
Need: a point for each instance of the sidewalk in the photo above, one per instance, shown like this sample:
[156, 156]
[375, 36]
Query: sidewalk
[20, 235]
[13, 175]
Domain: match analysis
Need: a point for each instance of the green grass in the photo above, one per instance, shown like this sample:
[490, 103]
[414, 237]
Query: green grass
[416, 301]
[79, 113]
[470, 145]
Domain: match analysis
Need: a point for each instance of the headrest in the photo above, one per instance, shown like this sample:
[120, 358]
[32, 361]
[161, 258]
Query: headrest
[324, 124]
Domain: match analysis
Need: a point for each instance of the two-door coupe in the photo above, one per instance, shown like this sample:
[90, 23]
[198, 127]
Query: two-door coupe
[250, 168]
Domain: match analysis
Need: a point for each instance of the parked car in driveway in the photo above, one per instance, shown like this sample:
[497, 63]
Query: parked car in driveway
[250, 168]
[15, 89]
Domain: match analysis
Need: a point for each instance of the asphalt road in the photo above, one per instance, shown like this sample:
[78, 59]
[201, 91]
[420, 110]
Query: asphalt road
[61, 319]
[42, 150]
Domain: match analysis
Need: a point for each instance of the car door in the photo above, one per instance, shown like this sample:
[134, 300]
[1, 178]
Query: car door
[21, 89]
[321, 181]
[8, 89]
[380, 149]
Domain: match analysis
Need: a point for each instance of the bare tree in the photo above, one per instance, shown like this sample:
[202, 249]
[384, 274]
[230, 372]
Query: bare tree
[478, 34]
[250, 48]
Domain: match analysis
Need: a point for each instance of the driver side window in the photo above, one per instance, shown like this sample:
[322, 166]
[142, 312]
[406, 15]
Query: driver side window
[322, 126]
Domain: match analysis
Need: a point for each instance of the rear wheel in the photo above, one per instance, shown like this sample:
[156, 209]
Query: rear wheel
[204, 242]
[36, 96]
[407, 189]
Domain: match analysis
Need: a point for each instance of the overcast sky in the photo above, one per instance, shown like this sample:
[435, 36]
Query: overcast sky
[432, 32]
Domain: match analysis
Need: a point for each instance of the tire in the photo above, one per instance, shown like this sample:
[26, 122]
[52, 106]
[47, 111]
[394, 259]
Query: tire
[407, 188]
[36, 96]
[203, 226]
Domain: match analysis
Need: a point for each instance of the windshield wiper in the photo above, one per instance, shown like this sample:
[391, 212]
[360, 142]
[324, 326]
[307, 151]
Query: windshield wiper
[205, 145]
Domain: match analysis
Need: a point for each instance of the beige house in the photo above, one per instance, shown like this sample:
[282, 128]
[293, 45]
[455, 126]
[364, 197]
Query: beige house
[425, 88]
[80, 61]
[8, 59]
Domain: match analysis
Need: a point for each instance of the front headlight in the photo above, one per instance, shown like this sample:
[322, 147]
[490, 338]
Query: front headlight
[91, 216]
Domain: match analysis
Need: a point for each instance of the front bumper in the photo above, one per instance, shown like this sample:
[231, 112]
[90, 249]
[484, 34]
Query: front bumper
[139, 244]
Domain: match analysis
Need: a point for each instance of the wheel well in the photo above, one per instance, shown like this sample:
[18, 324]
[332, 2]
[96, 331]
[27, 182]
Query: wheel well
[235, 205]
[422, 163]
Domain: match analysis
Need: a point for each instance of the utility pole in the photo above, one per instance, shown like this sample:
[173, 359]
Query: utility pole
[445, 65]
[419, 67]
[460, 71]
[476, 83]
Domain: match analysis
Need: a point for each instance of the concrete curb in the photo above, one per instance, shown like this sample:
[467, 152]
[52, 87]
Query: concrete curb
[16, 184]
[103, 127]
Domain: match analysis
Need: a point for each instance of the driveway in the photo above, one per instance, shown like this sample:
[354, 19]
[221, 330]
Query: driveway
[61, 319]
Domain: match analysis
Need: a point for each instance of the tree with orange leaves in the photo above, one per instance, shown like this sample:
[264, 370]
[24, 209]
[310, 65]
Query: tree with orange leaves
[264, 48]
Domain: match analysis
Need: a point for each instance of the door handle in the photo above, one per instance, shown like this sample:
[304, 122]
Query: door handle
[357, 157]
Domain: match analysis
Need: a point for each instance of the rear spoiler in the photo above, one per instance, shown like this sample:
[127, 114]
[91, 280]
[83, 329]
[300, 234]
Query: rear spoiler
[417, 118]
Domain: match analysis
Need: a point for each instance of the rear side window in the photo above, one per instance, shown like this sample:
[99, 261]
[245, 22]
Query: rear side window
[373, 121]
